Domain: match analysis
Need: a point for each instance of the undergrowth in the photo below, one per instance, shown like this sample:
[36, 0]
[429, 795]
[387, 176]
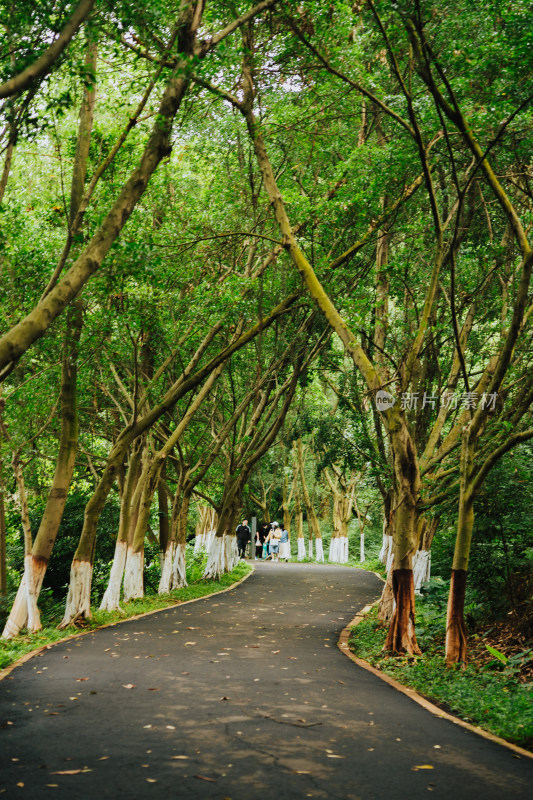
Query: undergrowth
[488, 695]
[13, 649]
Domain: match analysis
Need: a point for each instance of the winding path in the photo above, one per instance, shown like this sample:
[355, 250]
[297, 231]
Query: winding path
[241, 695]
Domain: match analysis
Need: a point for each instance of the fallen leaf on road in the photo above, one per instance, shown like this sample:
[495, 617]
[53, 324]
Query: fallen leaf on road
[179, 757]
[70, 771]
[79, 680]
[189, 643]
[128, 686]
[422, 766]
[224, 698]
[203, 778]
[190, 628]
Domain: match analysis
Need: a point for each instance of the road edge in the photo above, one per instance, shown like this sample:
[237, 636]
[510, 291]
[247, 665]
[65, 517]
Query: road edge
[4, 673]
[344, 647]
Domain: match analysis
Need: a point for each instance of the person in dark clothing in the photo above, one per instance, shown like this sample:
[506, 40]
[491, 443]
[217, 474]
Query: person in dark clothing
[243, 537]
[262, 533]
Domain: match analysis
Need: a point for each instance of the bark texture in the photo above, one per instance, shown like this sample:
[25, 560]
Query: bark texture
[401, 635]
[456, 642]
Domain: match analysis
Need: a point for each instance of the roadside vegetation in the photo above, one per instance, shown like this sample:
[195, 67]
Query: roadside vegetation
[494, 690]
[12, 650]
[491, 691]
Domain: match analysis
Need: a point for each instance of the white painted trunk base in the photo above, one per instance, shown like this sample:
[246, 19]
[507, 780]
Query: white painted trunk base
[133, 576]
[203, 541]
[231, 552]
[344, 545]
[165, 581]
[362, 547]
[310, 548]
[386, 548]
[319, 550]
[334, 549]
[301, 548]
[79, 593]
[421, 568]
[338, 550]
[111, 598]
[20, 616]
[179, 578]
[216, 559]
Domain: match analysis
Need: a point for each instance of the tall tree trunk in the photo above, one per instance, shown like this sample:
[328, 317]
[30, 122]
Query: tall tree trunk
[456, 634]
[179, 576]
[299, 517]
[128, 518]
[3, 539]
[223, 554]
[164, 525]
[401, 636]
[24, 611]
[312, 519]
[422, 559]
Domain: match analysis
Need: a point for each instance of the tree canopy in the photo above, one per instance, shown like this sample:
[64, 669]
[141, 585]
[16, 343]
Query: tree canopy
[249, 249]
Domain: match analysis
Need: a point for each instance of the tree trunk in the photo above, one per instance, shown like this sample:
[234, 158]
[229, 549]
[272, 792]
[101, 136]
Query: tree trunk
[3, 542]
[401, 637]
[179, 577]
[313, 525]
[456, 634]
[298, 514]
[223, 554]
[456, 644]
[164, 526]
[401, 634]
[422, 559]
[128, 517]
[24, 611]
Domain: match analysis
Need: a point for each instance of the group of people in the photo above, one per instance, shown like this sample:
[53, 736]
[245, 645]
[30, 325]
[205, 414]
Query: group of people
[271, 541]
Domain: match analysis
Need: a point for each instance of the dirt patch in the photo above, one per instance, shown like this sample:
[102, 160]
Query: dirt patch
[504, 637]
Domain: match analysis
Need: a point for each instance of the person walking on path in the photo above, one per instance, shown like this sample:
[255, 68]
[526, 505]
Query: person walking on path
[243, 537]
[261, 535]
[273, 541]
[284, 545]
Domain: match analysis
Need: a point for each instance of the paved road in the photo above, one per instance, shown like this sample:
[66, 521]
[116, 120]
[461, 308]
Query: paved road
[243, 695]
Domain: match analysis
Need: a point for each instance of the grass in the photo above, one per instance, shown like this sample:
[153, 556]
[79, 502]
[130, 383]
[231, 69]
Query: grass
[485, 696]
[13, 649]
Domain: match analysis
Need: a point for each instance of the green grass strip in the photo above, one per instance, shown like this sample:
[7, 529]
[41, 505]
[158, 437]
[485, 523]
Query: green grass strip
[480, 695]
[13, 649]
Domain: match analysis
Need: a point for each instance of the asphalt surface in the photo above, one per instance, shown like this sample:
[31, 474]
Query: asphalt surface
[242, 695]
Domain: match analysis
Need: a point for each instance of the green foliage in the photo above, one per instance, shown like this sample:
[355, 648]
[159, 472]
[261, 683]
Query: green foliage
[494, 700]
[500, 576]
[11, 650]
